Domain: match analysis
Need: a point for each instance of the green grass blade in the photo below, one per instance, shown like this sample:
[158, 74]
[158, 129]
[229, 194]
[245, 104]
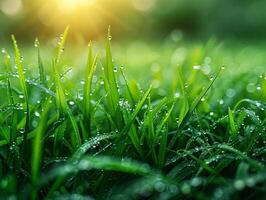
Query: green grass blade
[61, 45]
[185, 106]
[257, 165]
[64, 109]
[137, 109]
[14, 117]
[60, 96]
[111, 84]
[23, 85]
[233, 130]
[129, 121]
[197, 100]
[87, 86]
[100, 163]
[37, 149]
[164, 136]
[40, 63]
[75, 136]
[90, 68]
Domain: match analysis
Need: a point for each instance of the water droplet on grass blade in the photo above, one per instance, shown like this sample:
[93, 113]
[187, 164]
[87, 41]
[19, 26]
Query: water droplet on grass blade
[177, 95]
[196, 67]
[22, 130]
[185, 189]
[195, 182]
[37, 114]
[221, 102]
[115, 69]
[239, 184]
[173, 189]
[71, 103]
[159, 186]
[36, 43]
[34, 123]
[250, 182]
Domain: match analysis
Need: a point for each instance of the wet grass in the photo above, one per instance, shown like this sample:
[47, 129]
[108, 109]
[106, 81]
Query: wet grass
[191, 131]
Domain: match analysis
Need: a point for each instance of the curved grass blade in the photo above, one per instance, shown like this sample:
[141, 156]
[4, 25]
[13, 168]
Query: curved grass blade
[90, 144]
[78, 154]
[99, 162]
[257, 165]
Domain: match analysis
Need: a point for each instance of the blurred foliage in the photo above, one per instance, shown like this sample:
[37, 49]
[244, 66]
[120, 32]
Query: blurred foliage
[139, 18]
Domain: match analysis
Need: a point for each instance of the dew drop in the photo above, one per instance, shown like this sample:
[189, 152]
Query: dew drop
[195, 182]
[250, 182]
[185, 189]
[37, 114]
[71, 103]
[36, 43]
[196, 67]
[239, 184]
[115, 69]
[159, 186]
[177, 95]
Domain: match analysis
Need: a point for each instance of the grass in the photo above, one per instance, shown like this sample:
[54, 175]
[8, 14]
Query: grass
[189, 133]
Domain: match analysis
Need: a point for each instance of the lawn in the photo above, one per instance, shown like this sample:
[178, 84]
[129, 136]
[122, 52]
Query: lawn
[170, 119]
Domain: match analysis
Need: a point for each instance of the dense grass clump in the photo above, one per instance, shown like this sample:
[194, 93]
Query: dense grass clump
[102, 136]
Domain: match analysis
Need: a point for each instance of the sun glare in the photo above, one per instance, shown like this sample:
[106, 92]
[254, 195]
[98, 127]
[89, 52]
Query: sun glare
[73, 5]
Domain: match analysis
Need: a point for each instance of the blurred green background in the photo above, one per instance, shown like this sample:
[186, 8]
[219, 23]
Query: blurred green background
[134, 18]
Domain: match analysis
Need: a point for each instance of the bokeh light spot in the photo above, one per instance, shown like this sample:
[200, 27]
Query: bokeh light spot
[143, 5]
[11, 7]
